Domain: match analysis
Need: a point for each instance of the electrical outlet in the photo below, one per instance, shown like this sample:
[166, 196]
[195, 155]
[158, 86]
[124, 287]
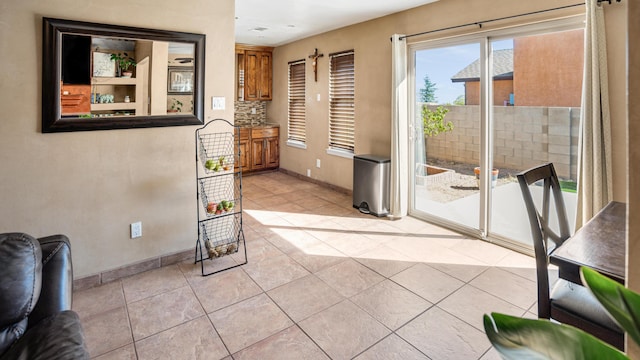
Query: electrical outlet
[309, 172]
[253, 111]
[318, 163]
[136, 229]
[318, 97]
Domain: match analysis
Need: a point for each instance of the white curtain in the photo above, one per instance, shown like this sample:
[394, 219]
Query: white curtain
[399, 193]
[594, 146]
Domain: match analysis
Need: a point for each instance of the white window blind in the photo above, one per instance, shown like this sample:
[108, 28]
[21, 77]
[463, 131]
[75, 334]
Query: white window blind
[297, 95]
[341, 101]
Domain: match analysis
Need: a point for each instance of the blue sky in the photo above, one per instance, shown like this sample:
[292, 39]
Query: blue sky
[442, 63]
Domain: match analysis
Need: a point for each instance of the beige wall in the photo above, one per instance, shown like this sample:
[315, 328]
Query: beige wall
[92, 185]
[370, 40]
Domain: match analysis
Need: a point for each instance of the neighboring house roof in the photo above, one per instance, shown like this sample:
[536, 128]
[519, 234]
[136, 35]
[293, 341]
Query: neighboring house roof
[502, 68]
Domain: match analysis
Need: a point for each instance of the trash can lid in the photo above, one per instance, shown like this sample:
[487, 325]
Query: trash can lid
[373, 158]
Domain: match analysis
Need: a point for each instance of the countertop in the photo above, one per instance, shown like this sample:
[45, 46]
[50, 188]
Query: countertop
[260, 126]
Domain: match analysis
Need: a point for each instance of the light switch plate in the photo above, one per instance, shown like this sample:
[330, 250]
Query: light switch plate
[217, 103]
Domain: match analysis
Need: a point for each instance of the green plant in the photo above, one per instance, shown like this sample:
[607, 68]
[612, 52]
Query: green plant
[517, 338]
[460, 100]
[428, 92]
[568, 186]
[123, 61]
[433, 120]
[176, 105]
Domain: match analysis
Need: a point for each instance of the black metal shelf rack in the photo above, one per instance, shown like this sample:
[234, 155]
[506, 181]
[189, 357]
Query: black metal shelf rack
[219, 193]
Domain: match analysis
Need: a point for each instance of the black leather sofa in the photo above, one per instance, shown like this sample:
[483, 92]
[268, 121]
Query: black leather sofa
[36, 288]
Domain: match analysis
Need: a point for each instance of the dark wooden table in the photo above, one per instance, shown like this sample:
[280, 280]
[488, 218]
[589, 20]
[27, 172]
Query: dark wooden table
[599, 244]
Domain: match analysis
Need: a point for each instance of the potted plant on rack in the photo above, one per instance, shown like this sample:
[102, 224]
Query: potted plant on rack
[176, 106]
[123, 63]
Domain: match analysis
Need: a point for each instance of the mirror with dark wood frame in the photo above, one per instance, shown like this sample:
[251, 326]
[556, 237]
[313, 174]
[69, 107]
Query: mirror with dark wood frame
[99, 77]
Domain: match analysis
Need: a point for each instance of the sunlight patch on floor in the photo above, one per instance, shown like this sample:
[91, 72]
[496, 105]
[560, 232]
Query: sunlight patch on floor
[380, 239]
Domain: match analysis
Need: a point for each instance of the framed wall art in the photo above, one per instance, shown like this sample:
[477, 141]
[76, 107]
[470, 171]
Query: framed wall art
[180, 80]
[103, 66]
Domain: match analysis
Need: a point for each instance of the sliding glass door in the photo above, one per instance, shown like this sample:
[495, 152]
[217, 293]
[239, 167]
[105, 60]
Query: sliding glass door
[483, 109]
[535, 112]
[447, 135]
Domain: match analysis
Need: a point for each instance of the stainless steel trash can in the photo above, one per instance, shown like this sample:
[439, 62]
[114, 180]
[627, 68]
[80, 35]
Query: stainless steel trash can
[371, 184]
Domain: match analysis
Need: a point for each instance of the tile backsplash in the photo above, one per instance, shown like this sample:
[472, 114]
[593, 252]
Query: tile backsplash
[243, 115]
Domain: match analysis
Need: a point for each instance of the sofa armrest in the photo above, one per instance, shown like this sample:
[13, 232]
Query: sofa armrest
[58, 336]
[57, 278]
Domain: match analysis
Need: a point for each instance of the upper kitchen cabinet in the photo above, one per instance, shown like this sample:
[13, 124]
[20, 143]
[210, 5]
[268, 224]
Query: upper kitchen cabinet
[253, 72]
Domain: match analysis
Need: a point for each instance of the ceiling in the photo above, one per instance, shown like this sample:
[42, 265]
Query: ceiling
[278, 22]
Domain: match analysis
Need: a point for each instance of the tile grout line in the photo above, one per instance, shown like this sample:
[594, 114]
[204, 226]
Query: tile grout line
[205, 312]
[126, 308]
[295, 323]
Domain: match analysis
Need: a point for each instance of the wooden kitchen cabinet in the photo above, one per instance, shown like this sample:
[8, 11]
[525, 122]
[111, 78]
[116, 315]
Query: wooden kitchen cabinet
[259, 148]
[254, 72]
[258, 75]
[257, 154]
[272, 157]
[244, 135]
[264, 148]
[245, 153]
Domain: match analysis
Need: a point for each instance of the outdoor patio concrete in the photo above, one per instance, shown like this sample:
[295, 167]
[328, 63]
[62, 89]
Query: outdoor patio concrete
[508, 215]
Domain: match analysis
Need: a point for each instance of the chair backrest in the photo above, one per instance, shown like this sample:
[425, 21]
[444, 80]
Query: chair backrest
[539, 222]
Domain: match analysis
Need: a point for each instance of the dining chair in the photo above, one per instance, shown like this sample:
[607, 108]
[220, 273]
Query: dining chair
[562, 301]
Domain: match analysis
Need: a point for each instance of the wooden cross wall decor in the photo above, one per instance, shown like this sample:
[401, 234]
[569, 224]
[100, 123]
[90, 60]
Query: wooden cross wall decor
[315, 57]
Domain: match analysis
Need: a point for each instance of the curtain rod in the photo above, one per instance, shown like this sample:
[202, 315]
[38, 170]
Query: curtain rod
[479, 23]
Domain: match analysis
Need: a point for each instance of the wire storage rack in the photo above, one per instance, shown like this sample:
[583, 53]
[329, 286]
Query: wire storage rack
[219, 194]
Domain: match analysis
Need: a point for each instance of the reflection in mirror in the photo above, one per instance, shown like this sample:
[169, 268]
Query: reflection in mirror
[103, 77]
[117, 77]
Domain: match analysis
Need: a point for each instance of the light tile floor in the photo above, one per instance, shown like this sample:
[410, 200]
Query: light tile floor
[322, 282]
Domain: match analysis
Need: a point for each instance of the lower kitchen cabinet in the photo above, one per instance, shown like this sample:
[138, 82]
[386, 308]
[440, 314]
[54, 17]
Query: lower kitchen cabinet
[259, 148]
[258, 154]
[272, 157]
[243, 160]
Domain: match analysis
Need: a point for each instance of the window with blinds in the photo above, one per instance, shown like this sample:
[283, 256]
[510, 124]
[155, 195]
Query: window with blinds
[297, 95]
[341, 101]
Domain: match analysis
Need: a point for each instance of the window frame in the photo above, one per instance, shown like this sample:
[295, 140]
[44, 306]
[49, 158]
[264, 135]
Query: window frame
[341, 124]
[296, 104]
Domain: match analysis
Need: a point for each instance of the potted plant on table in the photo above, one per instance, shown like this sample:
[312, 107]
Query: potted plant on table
[123, 63]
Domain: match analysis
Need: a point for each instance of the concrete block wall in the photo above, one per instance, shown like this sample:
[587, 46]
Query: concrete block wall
[524, 136]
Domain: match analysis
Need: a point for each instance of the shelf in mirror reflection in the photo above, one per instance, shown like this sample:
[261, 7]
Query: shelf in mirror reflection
[114, 106]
